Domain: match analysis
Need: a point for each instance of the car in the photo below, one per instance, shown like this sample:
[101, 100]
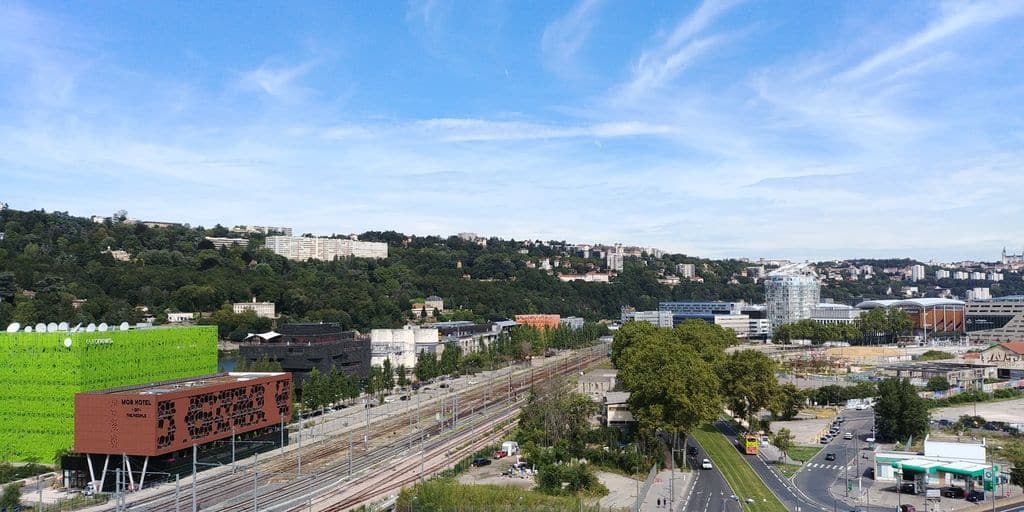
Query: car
[691, 451]
[975, 496]
[825, 439]
[425, 388]
[954, 492]
[907, 508]
[481, 462]
[840, 419]
[415, 386]
[908, 488]
[705, 464]
[473, 382]
[390, 398]
[848, 435]
[500, 454]
[830, 456]
[442, 385]
[404, 397]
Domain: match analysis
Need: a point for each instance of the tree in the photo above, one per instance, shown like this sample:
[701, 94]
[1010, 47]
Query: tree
[788, 402]
[1014, 452]
[783, 440]
[937, 383]
[403, 378]
[748, 383]
[387, 376]
[426, 366]
[11, 497]
[900, 413]
[671, 386]
[450, 359]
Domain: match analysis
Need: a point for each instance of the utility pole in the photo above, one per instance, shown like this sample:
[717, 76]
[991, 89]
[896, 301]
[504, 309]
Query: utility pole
[255, 482]
[298, 465]
[366, 436]
[195, 504]
[282, 434]
[350, 455]
[232, 450]
[177, 492]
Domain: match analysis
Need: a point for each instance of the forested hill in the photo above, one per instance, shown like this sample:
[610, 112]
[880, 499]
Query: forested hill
[50, 260]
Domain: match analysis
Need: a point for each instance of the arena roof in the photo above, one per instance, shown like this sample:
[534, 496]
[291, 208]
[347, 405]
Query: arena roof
[920, 303]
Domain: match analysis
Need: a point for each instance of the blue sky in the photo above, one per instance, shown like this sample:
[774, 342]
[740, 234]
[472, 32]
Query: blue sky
[716, 128]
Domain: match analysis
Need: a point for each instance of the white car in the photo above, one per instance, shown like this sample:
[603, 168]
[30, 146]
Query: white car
[848, 435]
[705, 464]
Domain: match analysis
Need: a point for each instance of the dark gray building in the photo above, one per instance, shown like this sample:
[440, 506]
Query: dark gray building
[301, 347]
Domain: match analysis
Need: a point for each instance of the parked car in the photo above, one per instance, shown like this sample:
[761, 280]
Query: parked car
[908, 488]
[442, 385]
[848, 435]
[907, 508]
[404, 397]
[975, 496]
[954, 492]
[825, 439]
[840, 419]
[500, 454]
[830, 456]
[705, 464]
[481, 462]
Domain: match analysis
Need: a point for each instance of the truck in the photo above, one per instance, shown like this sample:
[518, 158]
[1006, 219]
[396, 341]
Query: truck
[510, 447]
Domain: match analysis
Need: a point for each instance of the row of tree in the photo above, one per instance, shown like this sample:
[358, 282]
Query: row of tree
[878, 325]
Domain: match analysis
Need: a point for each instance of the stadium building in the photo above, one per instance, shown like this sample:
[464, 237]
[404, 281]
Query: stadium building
[996, 320]
[44, 369]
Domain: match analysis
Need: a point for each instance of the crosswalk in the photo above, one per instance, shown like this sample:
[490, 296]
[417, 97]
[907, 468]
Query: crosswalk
[818, 465]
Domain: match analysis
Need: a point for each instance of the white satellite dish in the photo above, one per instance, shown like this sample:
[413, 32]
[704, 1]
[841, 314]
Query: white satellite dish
[103, 327]
[40, 327]
[90, 328]
[14, 327]
[28, 328]
[123, 326]
[63, 326]
[67, 342]
[77, 327]
[51, 327]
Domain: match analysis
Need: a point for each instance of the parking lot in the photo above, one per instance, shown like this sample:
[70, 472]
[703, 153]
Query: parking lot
[492, 474]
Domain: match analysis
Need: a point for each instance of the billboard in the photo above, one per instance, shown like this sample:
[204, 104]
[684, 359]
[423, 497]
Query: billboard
[44, 370]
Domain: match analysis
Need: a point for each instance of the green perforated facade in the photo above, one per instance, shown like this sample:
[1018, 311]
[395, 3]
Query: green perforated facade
[40, 374]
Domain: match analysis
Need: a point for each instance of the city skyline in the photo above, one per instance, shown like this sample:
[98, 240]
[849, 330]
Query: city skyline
[716, 128]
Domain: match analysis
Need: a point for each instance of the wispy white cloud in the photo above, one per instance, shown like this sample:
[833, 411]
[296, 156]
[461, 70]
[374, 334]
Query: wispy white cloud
[662, 63]
[957, 17]
[279, 81]
[481, 130]
[566, 35]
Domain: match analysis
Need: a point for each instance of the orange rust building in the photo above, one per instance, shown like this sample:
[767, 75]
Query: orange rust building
[539, 321]
[157, 419]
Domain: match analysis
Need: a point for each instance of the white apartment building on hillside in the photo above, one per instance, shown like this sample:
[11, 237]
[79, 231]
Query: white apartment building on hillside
[304, 248]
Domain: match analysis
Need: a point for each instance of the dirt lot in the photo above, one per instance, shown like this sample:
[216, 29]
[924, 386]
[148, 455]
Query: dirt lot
[1010, 411]
[491, 474]
[804, 431]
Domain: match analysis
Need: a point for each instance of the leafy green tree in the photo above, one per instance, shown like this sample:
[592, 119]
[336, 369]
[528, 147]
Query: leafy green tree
[937, 383]
[426, 366]
[783, 440]
[672, 388]
[450, 359]
[900, 413]
[748, 382]
[387, 375]
[403, 377]
[11, 497]
[788, 402]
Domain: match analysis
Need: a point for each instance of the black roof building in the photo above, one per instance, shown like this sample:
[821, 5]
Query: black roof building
[301, 347]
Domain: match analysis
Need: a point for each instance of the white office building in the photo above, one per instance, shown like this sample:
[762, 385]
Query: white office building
[401, 346]
[657, 318]
[831, 314]
[686, 270]
[262, 309]
[917, 273]
[791, 293]
[304, 248]
[616, 258]
[942, 274]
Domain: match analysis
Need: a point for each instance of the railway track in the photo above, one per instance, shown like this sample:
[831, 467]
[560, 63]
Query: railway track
[330, 466]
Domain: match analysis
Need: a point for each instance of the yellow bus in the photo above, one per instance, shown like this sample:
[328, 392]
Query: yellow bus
[751, 443]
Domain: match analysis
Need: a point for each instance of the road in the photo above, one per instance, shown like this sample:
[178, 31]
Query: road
[711, 492]
[815, 479]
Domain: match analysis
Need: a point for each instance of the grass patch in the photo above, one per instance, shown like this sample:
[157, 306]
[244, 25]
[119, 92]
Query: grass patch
[803, 453]
[744, 482]
[787, 470]
[448, 495]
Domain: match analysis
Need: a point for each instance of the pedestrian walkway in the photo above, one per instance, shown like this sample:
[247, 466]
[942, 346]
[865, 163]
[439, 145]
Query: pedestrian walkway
[662, 490]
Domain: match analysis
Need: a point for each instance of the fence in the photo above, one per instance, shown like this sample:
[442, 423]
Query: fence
[646, 487]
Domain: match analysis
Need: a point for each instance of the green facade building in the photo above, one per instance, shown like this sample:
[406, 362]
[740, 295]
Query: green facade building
[40, 372]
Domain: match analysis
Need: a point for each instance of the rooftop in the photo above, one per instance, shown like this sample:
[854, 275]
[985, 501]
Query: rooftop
[160, 388]
[920, 303]
[1016, 347]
